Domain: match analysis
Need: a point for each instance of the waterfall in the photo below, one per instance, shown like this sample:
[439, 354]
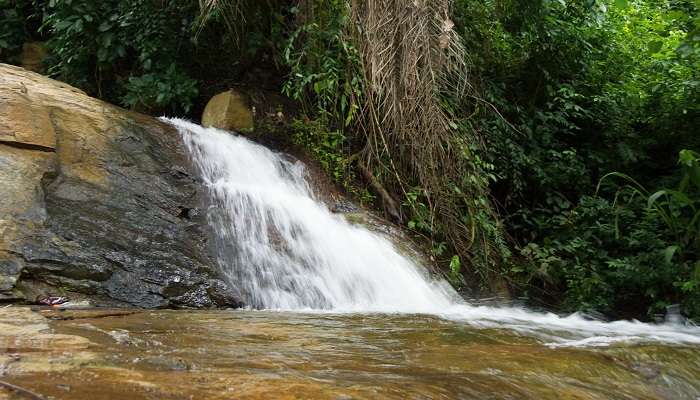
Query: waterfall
[284, 249]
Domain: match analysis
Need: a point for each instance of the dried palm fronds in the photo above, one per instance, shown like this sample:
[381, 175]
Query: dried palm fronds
[412, 59]
[231, 11]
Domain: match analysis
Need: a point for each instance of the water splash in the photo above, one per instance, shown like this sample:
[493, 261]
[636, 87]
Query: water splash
[283, 249]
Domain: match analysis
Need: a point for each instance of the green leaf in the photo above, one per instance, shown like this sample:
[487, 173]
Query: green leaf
[61, 25]
[669, 252]
[621, 4]
[655, 46]
[655, 196]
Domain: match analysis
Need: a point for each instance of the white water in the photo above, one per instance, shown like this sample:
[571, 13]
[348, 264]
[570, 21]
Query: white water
[285, 250]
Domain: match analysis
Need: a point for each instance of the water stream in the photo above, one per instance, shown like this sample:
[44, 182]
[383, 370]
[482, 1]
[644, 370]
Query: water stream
[285, 250]
[179, 355]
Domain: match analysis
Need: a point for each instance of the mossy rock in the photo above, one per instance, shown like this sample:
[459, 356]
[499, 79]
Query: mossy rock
[229, 110]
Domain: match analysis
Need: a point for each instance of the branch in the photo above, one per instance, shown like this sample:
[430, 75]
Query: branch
[390, 205]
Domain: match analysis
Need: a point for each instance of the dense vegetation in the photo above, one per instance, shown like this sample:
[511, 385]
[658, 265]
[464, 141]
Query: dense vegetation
[551, 145]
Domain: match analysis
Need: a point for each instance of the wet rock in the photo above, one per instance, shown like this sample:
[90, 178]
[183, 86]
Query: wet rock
[10, 269]
[62, 314]
[27, 344]
[97, 201]
[229, 110]
[164, 363]
[344, 207]
[222, 294]
[648, 371]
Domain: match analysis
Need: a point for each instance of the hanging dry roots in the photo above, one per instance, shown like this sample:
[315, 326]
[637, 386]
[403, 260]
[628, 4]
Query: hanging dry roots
[230, 10]
[411, 58]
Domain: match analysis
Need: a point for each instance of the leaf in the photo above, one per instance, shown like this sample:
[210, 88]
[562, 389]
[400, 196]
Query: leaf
[455, 264]
[655, 46]
[655, 196]
[61, 25]
[669, 252]
[621, 4]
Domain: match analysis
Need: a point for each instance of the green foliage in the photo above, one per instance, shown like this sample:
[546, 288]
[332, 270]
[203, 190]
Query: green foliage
[12, 28]
[329, 148]
[640, 250]
[117, 48]
[160, 90]
[326, 146]
[582, 88]
[324, 65]
[679, 209]
[325, 77]
[455, 275]
[608, 259]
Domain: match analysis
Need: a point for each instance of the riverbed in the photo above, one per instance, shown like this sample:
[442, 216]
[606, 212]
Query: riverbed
[129, 354]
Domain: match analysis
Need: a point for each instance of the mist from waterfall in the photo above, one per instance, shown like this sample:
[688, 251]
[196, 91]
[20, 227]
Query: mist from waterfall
[283, 249]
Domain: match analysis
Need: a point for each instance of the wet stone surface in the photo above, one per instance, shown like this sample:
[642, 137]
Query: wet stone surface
[97, 203]
[129, 354]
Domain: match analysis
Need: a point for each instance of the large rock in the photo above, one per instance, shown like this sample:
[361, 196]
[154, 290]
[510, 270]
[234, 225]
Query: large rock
[229, 110]
[33, 56]
[98, 202]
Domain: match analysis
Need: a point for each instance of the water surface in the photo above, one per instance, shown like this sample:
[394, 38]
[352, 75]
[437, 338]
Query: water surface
[264, 354]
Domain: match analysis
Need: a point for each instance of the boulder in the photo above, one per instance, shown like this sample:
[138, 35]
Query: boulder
[33, 55]
[95, 203]
[229, 110]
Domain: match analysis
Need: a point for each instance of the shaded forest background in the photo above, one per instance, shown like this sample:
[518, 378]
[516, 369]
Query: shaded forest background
[546, 146]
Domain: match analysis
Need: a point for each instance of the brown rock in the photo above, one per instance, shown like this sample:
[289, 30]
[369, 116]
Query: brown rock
[24, 123]
[229, 110]
[33, 55]
[90, 201]
[27, 344]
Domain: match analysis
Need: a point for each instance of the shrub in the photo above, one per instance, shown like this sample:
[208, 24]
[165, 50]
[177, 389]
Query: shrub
[115, 49]
[17, 20]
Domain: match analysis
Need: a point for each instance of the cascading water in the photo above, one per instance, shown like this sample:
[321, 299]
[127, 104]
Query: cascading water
[285, 250]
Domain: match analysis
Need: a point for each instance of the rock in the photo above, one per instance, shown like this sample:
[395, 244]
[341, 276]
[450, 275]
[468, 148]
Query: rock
[10, 269]
[229, 110]
[222, 294]
[344, 207]
[33, 55]
[28, 345]
[24, 123]
[92, 203]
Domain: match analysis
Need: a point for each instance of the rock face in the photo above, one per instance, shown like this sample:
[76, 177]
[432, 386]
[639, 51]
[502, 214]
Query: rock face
[229, 110]
[97, 202]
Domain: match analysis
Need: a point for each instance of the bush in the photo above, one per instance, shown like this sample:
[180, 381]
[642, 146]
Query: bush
[639, 252]
[18, 20]
[124, 50]
[583, 88]
[171, 89]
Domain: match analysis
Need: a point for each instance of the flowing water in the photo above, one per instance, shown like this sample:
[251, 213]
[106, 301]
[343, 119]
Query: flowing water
[285, 250]
[161, 355]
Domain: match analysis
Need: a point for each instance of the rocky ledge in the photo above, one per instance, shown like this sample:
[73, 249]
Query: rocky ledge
[97, 203]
